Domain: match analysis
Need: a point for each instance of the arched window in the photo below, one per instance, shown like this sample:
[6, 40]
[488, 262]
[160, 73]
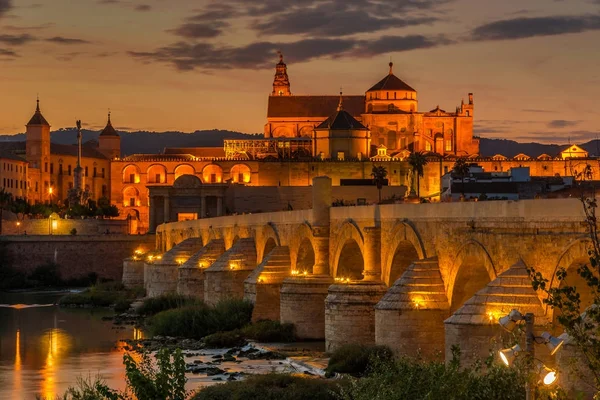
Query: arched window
[131, 197]
[184, 169]
[157, 174]
[240, 173]
[131, 174]
[212, 173]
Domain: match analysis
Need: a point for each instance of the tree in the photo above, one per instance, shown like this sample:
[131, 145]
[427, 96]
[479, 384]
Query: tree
[417, 161]
[461, 169]
[379, 174]
[580, 321]
[5, 200]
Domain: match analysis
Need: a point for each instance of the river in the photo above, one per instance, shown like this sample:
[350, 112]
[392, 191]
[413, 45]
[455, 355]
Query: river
[44, 348]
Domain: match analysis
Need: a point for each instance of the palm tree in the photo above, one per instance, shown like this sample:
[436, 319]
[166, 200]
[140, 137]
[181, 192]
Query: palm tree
[5, 198]
[461, 168]
[418, 161]
[379, 174]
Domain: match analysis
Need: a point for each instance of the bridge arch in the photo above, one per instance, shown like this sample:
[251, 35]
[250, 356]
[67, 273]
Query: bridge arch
[472, 270]
[348, 261]
[405, 246]
[574, 255]
[267, 241]
[303, 249]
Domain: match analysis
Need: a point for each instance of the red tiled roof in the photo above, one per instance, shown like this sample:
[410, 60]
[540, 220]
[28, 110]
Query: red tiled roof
[313, 106]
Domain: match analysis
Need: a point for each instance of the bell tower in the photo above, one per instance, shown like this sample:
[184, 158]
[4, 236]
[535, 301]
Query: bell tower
[281, 83]
[37, 145]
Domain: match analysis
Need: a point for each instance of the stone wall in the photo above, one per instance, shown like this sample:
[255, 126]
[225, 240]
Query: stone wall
[78, 255]
[64, 227]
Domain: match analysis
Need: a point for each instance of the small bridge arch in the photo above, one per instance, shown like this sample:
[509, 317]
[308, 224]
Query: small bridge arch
[403, 247]
[348, 259]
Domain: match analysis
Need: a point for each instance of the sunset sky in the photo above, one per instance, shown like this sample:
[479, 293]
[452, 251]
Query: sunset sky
[534, 65]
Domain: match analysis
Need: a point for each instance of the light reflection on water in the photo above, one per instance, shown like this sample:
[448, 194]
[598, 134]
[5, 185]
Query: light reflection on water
[44, 349]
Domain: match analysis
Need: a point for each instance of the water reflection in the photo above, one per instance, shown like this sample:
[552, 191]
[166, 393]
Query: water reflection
[44, 349]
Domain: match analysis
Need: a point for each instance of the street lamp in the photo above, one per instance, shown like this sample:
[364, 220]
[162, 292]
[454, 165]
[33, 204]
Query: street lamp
[509, 323]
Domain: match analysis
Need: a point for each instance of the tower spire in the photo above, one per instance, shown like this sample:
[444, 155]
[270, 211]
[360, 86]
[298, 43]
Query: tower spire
[341, 103]
[391, 64]
[281, 83]
[37, 108]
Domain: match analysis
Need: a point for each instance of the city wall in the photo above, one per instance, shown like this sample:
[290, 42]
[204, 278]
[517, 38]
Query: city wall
[77, 255]
[63, 226]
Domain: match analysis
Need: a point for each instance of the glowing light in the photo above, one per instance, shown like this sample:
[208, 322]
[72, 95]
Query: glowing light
[50, 190]
[418, 302]
[550, 378]
[304, 273]
[233, 265]
[180, 261]
[295, 272]
[159, 257]
[54, 224]
[18, 223]
[138, 251]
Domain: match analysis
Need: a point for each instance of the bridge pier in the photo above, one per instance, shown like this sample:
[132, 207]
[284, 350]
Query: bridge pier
[190, 280]
[409, 319]
[303, 304]
[474, 326]
[161, 276]
[263, 285]
[350, 313]
[133, 273]
[225, 277]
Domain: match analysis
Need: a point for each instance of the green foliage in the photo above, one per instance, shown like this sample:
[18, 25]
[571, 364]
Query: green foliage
[87, 389]
[105, 209]
[223, 340]
[357, 359]
[417, 161]
[379, 174]
[166, 381]
[102, 295]
[581, 321]
[164, 302]
[461, 169]
[415, 379]
[73, 232]
[272, 387]
[270, 331]
[198, 321]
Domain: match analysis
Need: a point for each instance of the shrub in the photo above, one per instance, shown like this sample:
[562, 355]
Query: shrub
[73, 232]
[165, 302]
[270, 331]
[123, 305]
[102, 295]
[272, 387]
[222, 340]
[435, 380]
[357, 359]
[199, 320]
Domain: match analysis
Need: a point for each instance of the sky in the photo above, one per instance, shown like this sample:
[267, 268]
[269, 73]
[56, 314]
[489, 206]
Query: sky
[186, 65]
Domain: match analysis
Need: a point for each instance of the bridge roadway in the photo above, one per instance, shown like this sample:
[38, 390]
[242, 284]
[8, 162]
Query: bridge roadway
[417, 277]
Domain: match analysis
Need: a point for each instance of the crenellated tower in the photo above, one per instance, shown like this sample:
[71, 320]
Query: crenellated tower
[281, 83]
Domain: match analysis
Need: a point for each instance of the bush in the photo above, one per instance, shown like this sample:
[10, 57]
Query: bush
[102, 295]
[435, 380]
[357, 359]
[123, 305]
[270, 331]
[222, 340]
[272, 387]
[199, 320]
[73, 232]
[165, 302]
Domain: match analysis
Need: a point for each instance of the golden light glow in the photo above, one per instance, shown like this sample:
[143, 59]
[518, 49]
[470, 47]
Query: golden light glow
[17, 375]
[304, 273]
[550, 378]
[158, 257]
[233, 265]
[138, 334]
[180, 261]
[58, 343]
[50, 190]
[504, 359]
[418, 302]
[139, 251]
[54, 224]
[295, 272]
[18, 223]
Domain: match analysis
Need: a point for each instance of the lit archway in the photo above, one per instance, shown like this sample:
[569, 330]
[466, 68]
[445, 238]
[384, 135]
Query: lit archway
[269, 246]
[131, 174]
[345, 258]
[212, 173]
[350, 263]
[404, 256]
[240, 173]
[404, 243]
[473, 270]
[131, 197]
[156, 174]
[184, 169]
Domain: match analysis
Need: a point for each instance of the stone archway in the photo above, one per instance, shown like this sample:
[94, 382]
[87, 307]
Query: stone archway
[267, 241]
[405, 246]
[349, 241]
[473, 270]
[305, 258]
[574, 256]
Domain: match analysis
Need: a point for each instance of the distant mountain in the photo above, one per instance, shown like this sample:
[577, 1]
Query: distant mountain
[144, 142]
[155, 142]
[510, 148]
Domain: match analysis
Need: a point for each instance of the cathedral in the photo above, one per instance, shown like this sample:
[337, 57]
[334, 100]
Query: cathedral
[387, 113]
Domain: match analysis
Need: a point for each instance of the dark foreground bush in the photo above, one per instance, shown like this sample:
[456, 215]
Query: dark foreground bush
[223, 340]
[200, 320]
[102, 295]
[165, 302]
[434, 380]
[270, 331]
[356, 359]
[272, 387]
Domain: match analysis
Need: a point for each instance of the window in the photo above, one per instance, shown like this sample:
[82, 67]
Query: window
[36, 186]
[468, 114]
[95, 173]
[86, 171]
[427, 146]
[103, 172]
[45, 167]
[240, 177]
[157, 178]
[132, 202]
[213, 178]
[69, 170]
[387, 95]
[394, 95]
[60, 169]
[448, 145]
[131, 178]
[52, 168]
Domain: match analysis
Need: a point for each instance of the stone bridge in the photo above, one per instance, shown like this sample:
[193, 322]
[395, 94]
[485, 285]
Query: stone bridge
[417, 277]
